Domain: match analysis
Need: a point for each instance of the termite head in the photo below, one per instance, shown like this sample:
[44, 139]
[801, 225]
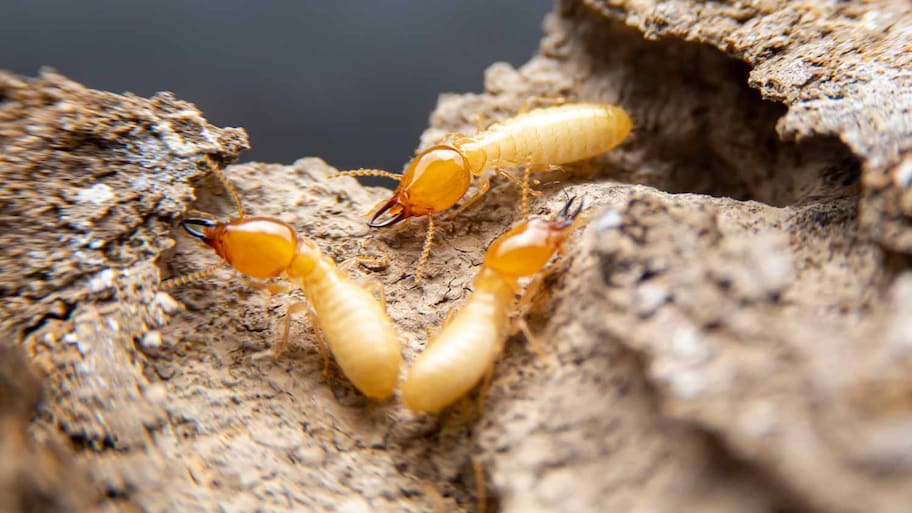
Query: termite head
[527, 248]
[260, 247]
[433, 181]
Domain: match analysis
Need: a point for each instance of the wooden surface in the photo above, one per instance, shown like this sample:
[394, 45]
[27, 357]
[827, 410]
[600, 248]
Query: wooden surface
[729, 333]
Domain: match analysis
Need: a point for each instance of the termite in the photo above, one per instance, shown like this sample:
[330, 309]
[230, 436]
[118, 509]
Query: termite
[350, 320]
[465, 349]
[438, 177]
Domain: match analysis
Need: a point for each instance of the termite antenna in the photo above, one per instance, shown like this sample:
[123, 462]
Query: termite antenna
[526, 188]
[217, 170]
[366, 172]
[426, 250]
[180, 281]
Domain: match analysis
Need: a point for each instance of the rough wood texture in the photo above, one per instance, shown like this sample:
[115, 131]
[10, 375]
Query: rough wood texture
[730, 332]
[842, 68]
[91, 181]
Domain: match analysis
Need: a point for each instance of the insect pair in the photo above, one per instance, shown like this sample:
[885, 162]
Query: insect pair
[353, 323]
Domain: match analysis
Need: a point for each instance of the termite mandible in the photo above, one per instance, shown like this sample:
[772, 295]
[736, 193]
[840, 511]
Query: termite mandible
[438, 177]
[351, 321]
[467, 346]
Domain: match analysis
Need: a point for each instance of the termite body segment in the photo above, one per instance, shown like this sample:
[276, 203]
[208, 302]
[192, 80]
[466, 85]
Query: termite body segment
[438, 177]
[353, 323]
[548, 136]
[465, 349]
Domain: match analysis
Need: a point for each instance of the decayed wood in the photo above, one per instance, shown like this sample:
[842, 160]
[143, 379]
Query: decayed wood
[729, 333]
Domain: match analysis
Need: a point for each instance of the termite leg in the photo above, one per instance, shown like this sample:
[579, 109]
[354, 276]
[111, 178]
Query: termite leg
[524, 185]
[529, 183]
[532, 339]
[272, 288]
[480, 485]
[430, 332]
[449, 316]
[321, 342]
[519, 322]
[312, 319]
[283, 342]
[426, 250]
[381, 261]
[532, 290]
[485, 387]
[349, 263]
[376, 289]
[484, 185]
[509, 176]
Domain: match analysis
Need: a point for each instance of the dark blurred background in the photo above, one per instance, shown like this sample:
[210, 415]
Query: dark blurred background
[351, 82]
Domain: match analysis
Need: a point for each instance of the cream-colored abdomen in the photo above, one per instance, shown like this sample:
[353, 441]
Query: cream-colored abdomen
[553, 135]
[459, 355]
[357, 330]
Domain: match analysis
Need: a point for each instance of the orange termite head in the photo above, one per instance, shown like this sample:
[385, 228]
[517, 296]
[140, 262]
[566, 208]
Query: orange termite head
[433, 181]
[260, 247]
[527, 248]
